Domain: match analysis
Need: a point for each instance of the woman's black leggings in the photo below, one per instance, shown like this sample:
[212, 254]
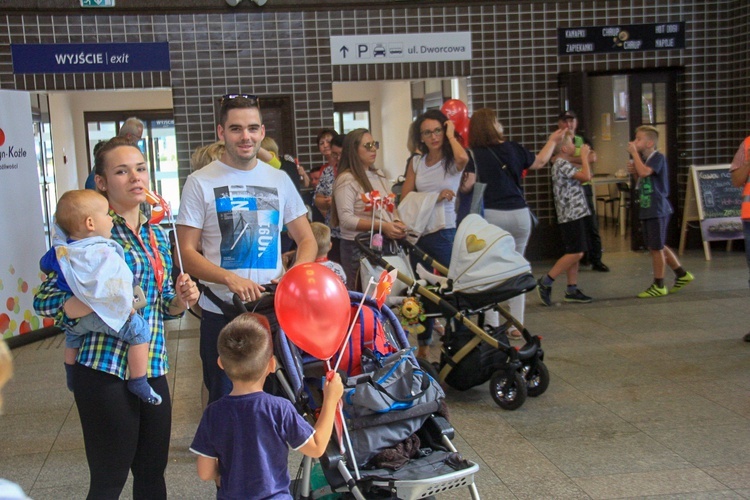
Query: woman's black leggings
[121, 434]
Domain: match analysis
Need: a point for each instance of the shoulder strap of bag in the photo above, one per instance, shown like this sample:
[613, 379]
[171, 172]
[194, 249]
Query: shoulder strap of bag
[504, 168]
[476, 167]
[422, 388]
[228, 310]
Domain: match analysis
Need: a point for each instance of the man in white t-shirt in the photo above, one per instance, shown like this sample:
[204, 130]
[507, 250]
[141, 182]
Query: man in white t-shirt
[229, 226]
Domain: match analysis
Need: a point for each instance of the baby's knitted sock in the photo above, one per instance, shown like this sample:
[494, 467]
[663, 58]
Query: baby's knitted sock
[139, 386]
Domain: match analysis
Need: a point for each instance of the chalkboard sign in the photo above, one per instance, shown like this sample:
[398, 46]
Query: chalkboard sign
[714, 202]
[716, 196]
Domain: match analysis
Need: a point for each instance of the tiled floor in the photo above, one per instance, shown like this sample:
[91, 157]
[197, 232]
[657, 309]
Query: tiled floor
[648, 398]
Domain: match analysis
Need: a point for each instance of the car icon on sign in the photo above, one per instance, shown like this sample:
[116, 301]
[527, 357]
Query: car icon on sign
[378, 51]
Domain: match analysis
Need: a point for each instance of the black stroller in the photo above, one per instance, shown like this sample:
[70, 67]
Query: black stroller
[436, 467]
[485, 270]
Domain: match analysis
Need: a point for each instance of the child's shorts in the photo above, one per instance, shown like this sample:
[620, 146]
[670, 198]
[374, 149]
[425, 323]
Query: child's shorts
[655, 232]
[136, 330]
[575, 238]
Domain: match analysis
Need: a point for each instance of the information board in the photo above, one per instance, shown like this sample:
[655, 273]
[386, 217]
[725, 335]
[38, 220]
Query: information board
[40, 58]
[402, 48]
[714, 202]
[620, 38]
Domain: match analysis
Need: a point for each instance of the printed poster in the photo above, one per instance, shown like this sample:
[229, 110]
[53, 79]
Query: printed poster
[22, 226]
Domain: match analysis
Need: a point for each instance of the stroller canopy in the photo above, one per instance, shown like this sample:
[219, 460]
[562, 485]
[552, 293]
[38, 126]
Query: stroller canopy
[483, 256]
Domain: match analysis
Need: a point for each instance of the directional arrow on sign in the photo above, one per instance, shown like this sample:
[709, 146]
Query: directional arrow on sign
[344, 50]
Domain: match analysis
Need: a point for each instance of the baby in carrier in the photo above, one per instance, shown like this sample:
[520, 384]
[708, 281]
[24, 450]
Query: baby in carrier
[92, 267]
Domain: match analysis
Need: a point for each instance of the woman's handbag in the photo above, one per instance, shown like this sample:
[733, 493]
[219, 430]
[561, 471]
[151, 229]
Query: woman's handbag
[473, 201]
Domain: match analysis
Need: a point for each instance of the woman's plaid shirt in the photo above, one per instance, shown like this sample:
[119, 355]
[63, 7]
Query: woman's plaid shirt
[103, 352]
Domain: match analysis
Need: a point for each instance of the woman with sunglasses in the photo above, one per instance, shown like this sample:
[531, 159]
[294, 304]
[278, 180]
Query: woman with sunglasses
[358, 175]
[121, 433]
[438, 169]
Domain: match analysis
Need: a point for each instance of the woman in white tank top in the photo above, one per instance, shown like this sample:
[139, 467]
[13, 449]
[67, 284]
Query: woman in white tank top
[438, 170]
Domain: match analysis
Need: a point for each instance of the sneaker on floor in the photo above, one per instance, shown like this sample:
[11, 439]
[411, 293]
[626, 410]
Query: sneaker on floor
[653, 291]
[680, 283]
[600, 266]
[746, 338]
[578, 296]
[544, 292]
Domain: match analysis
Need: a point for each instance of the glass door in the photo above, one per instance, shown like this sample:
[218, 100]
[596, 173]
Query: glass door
[158, 144]
[653, 101]
[45, 160]
[162, 155]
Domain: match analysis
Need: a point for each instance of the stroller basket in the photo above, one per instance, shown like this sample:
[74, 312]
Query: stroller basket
[437, 477]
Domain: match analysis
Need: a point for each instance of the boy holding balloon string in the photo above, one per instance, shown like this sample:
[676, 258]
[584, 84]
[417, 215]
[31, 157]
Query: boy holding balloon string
[249, 428]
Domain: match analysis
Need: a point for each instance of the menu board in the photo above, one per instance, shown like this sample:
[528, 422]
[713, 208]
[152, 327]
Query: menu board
[716, 196]
[620, 38]
[714, 202]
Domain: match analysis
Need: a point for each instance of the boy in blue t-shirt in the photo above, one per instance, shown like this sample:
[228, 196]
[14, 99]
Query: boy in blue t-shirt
[242, 440]
[655, 210]
[572, 210]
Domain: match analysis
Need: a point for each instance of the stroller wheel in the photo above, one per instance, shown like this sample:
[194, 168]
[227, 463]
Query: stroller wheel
[537, 378]
[429, 368]
[508, 394]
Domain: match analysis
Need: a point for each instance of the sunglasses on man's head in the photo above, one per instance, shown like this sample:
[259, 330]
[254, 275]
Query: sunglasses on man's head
[371, 146]
[250, 97]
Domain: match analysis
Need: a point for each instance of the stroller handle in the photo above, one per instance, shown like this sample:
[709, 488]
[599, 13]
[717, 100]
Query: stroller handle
[242, 306]
[374, 256]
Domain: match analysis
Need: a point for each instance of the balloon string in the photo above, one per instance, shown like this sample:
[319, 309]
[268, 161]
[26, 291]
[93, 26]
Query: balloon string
[348, 441]
[176, 241]
[380, 219]
[177, 245]
[354, 320]
[340, 412]
[372, 223]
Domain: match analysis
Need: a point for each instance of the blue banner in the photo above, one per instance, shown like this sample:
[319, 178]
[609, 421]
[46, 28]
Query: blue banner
[90, 57]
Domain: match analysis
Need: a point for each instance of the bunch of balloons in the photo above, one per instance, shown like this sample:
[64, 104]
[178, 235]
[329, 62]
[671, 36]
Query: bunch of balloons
[458, 113]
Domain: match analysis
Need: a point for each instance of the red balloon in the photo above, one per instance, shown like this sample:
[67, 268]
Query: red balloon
[463, 134]
[313, 308]
[456, 111]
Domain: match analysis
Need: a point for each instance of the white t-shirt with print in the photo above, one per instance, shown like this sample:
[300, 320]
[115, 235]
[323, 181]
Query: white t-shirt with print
[570, 199]
[241, 214]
